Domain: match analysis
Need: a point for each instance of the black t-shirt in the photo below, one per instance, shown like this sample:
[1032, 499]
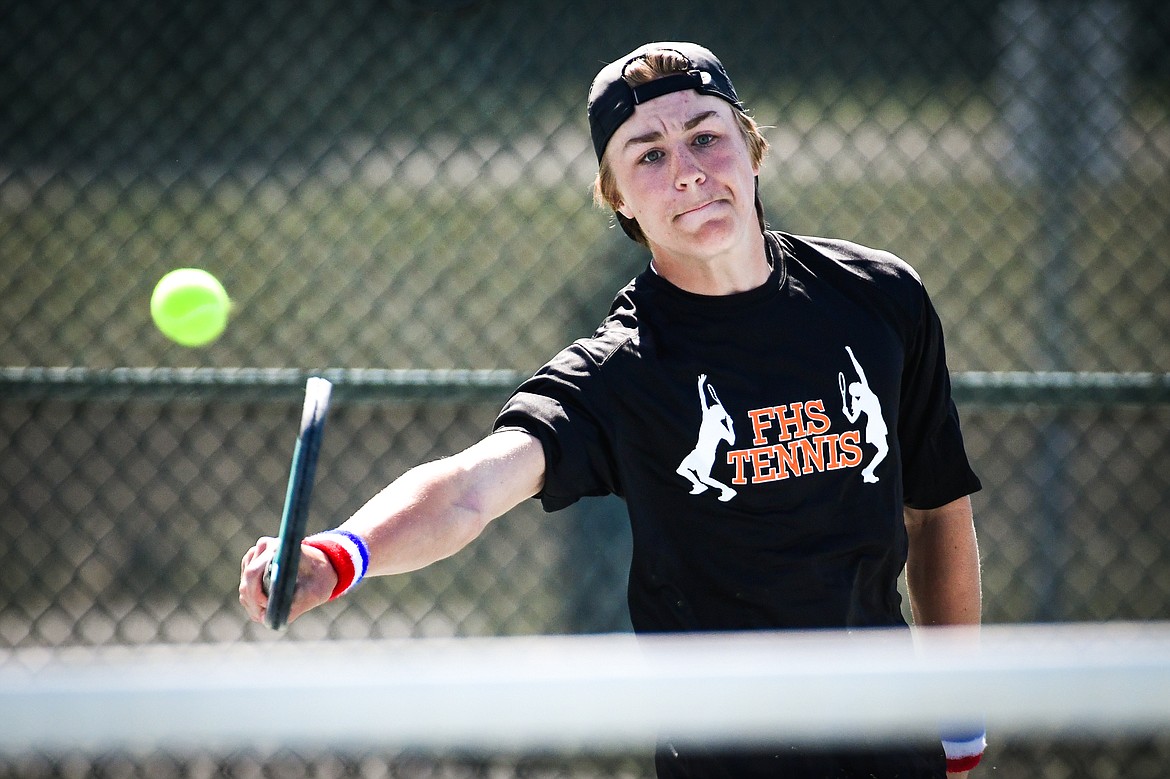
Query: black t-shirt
[764, 442]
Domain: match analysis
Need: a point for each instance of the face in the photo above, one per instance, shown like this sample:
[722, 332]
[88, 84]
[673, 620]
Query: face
[683, 170]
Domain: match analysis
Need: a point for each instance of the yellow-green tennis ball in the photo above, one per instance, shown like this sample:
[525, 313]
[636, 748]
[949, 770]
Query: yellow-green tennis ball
[190, 306]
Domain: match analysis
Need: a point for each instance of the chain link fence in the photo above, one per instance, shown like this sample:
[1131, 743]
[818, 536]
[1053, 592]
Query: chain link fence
[396, 189]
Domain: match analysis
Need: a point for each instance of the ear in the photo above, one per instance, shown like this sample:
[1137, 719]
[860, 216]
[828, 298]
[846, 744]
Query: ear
[624, 210]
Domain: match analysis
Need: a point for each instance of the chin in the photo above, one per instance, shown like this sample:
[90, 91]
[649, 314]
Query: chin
[712, 237]
[690, 249]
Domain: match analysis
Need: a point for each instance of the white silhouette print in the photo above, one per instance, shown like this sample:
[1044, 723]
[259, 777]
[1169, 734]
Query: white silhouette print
[715, 427]
[864, 401]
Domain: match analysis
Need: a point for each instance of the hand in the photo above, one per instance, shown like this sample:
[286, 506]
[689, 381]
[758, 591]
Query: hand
[315, 580]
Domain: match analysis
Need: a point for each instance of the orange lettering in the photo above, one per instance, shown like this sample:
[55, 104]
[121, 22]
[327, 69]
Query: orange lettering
[830, 444]
[762, 460]
[739, 459]
[787, 460]
[818, 421]
[760, 423]
[814, 453]
[850, 448]
[795, 421]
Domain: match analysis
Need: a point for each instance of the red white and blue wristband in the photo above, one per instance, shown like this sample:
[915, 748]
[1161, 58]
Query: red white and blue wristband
[964, 750]
[348, 555]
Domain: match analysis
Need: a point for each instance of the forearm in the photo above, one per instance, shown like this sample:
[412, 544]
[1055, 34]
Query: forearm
[942, 567]
[434, 510]
[421, 517]
[942, 577]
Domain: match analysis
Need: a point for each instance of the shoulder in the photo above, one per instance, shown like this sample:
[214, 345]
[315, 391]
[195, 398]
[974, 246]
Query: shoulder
[619, 332]
[585, 361]
[876, 265]
[863, 268]
[610, 341]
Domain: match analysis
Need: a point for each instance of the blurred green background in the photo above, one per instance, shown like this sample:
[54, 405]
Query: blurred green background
[407, 184]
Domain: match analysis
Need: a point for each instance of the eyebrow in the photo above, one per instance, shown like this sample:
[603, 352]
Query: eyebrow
[655, 135]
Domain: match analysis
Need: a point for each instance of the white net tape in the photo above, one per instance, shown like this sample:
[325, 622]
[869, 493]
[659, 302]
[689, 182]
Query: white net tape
[588, 692]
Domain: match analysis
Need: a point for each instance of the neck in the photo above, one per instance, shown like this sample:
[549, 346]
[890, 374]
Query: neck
[738, 270]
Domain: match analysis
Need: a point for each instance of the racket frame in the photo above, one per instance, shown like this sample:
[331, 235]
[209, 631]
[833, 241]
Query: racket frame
[280, 578]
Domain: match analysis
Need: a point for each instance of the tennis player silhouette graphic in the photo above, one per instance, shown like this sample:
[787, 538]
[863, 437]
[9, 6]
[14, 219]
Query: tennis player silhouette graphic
[864, 401]
[715, 427]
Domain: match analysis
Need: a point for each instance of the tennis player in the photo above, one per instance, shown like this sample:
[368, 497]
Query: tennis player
[820, 455]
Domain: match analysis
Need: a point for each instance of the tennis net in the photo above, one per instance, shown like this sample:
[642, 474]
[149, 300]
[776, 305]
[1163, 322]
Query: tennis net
[602, 695]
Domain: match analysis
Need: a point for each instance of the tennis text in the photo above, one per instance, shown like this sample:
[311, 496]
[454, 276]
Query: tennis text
[793, 440]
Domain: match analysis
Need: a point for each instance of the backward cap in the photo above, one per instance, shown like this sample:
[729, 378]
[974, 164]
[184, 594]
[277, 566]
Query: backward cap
[612, 100]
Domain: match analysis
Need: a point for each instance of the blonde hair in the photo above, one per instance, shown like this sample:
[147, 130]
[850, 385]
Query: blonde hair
[647, 68]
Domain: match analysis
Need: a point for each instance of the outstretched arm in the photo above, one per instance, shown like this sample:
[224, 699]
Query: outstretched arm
[429, 513]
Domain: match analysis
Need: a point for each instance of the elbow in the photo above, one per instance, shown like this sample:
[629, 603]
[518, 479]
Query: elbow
[446, 514]
[467, 507]
[467, 521]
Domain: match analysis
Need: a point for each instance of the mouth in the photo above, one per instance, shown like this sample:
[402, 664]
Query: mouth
[698, 209]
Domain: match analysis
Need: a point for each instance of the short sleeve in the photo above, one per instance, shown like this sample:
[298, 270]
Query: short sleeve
[563, 406]
[935, 468]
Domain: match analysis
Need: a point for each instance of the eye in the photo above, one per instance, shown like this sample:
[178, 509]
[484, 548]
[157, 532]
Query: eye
[654, 155]
[704, 139]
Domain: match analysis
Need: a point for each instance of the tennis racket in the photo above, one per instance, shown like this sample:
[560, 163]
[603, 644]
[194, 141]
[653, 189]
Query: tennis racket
[280, 578]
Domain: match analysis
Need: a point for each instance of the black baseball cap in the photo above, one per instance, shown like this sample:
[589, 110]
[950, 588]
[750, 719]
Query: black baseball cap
[612, 100]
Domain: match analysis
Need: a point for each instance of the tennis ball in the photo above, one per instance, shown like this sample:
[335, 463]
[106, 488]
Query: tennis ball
[190, 306]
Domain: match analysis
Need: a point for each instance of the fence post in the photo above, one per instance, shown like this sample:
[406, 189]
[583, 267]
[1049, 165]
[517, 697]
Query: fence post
[1064, 74]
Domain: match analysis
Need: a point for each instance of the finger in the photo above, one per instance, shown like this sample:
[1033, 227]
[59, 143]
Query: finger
[253, 608]
[252, 567]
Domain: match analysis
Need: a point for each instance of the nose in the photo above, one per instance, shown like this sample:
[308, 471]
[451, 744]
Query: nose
[688, 171]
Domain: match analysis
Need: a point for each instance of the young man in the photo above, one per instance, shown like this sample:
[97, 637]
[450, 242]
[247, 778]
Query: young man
[766, 502]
